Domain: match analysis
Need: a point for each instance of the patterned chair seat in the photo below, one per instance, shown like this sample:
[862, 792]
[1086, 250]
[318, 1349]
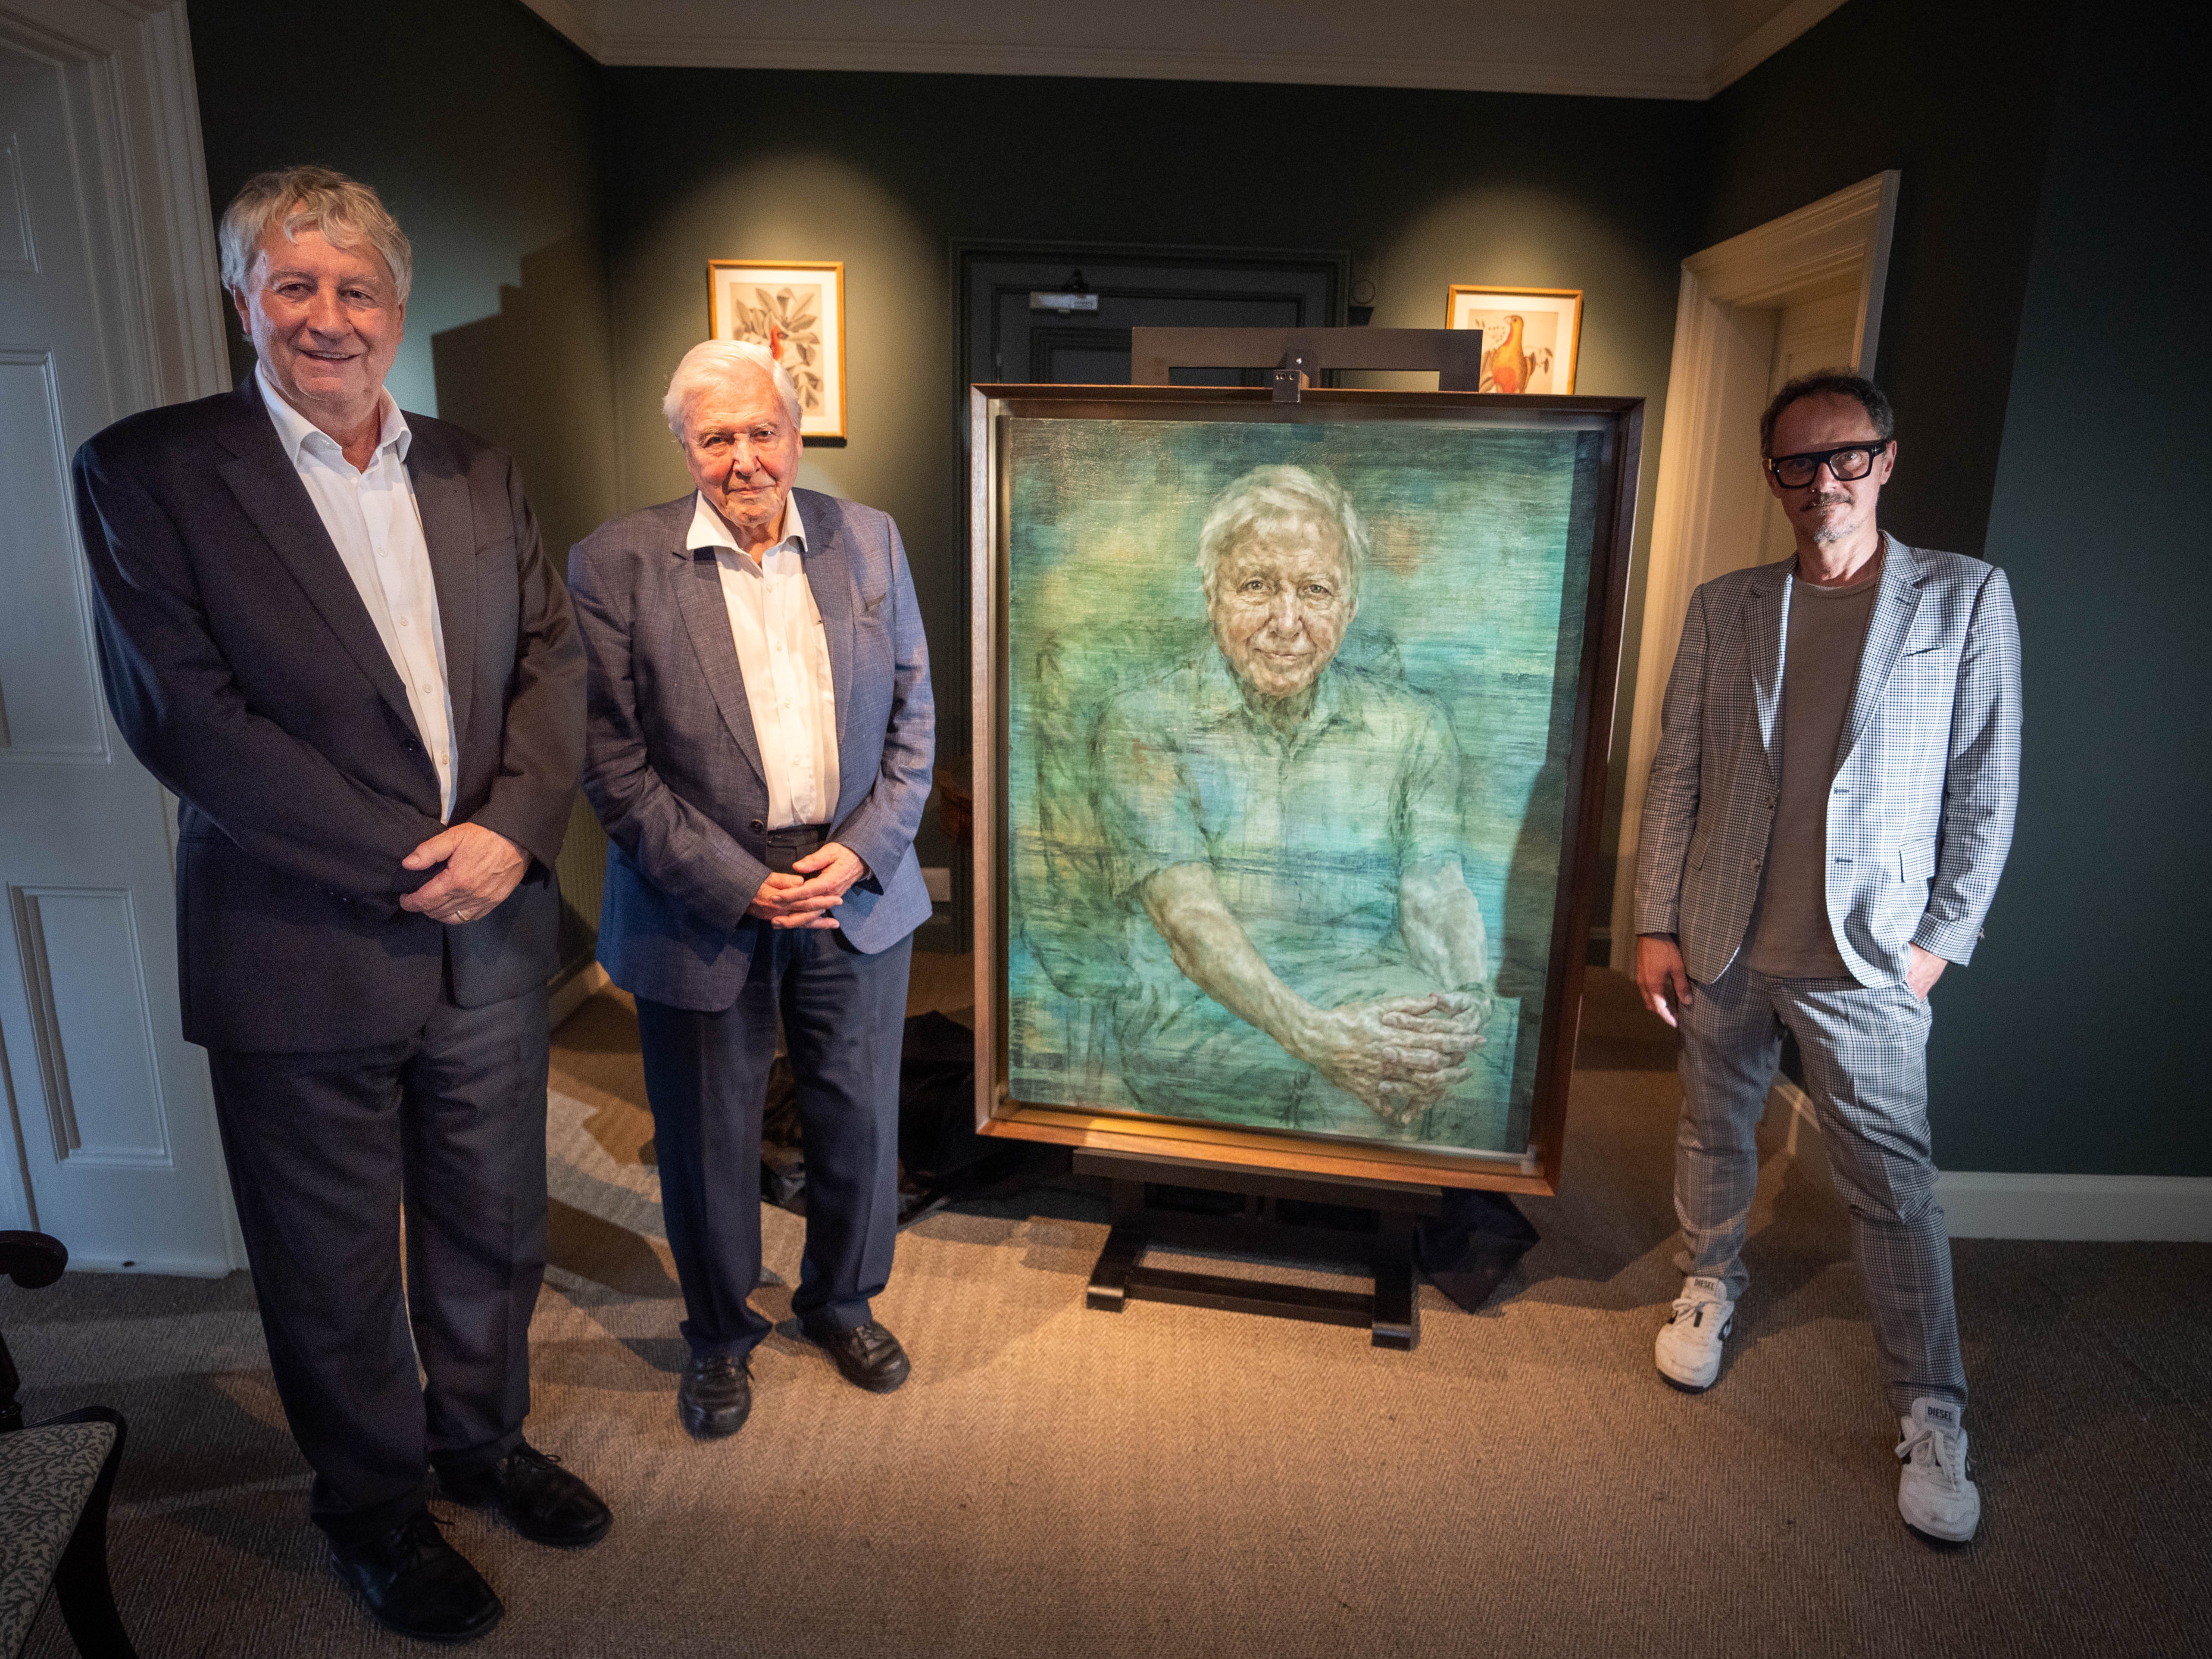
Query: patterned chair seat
[47, 1475]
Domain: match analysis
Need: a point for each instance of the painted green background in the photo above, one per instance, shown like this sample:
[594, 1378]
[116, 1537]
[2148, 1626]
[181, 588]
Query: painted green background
[1482, 541]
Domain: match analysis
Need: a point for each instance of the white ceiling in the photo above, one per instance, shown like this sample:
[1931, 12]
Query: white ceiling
[1606, 48]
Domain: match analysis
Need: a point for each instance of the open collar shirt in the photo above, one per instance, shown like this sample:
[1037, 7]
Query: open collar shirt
[784, 656]
[373, 522]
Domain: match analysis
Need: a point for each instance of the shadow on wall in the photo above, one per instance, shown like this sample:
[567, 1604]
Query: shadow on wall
[538, 381]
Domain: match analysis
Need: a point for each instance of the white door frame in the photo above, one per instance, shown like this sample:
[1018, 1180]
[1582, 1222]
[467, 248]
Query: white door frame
[1732, 293]
[134, 120]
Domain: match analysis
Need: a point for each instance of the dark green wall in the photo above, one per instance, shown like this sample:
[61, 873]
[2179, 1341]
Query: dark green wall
[1953, 95]
[480, 127]
[2069, 1035]
[884, 172]
[2045, 340]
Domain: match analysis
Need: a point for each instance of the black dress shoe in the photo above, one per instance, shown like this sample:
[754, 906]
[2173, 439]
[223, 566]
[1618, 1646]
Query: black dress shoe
[869, 1355]
[418, 1584]
[544, 1502]
[715, 1396]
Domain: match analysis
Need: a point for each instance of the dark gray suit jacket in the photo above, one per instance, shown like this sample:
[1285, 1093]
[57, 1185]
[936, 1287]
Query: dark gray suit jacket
[246, 673]
[673, 766]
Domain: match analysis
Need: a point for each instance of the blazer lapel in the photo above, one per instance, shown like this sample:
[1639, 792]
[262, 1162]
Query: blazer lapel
[1766, 625]
[442, 496]
[1894, 607]
[828, 567]
[698, 581]
[271, 492]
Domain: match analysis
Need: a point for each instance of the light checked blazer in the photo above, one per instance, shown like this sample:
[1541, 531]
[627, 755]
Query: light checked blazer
[673, 767]
[1920, 813]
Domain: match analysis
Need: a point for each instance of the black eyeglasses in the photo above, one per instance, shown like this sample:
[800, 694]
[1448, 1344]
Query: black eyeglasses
[1846, 465]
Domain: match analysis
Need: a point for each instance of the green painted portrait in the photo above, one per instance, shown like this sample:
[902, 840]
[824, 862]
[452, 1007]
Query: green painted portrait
[1290, 709]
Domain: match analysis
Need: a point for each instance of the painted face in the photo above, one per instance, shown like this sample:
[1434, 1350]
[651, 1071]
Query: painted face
[743, 448]
[1279, 603]
[326, 321]
[1830, 509]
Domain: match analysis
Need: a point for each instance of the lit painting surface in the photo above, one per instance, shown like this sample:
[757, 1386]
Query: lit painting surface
[1289, 714]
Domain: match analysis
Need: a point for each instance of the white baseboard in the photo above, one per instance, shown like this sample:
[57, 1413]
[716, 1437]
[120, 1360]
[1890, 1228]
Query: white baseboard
[1997, 1204]
[572, 993]
[2002, 1204]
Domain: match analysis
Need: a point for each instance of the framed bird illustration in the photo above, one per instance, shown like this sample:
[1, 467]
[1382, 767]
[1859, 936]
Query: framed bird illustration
[1530, 335]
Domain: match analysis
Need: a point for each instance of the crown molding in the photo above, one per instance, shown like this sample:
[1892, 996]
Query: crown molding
[1146, 63]
[1763, 42]
[611, 34]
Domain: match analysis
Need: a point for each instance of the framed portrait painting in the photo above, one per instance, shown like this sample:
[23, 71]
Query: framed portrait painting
[797, 310]
[1530, 335]
[1298, 716]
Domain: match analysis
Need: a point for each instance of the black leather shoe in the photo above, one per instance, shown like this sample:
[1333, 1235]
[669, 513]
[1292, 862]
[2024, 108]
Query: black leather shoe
[715, 1396]
[542, 1501]
[869, 1355]
[418, 1584]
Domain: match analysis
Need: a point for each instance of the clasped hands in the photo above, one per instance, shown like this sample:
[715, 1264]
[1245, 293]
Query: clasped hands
[482, 868]
[815, 885]
[1397, 1056]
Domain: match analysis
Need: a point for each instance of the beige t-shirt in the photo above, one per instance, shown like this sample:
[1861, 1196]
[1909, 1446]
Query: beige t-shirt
[1790, 935]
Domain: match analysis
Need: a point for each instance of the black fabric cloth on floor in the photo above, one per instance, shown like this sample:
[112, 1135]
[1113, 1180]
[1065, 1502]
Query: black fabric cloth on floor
[1469, 1246]
[941, 1158]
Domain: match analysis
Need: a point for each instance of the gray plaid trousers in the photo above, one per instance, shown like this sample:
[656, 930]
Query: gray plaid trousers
[1865, 1051]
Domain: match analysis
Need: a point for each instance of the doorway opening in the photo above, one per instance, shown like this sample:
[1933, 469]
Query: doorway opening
[1798, 293]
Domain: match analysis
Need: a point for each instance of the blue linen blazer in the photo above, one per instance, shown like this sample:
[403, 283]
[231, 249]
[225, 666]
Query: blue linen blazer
[1920, 811]
[672, 765]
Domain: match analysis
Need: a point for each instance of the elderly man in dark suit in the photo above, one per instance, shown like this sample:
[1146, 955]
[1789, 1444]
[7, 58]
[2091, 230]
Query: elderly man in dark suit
[330, 630]
[1830, 808]
[759, 750]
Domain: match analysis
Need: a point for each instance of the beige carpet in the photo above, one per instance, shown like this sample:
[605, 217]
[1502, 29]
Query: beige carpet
[1170, 1481]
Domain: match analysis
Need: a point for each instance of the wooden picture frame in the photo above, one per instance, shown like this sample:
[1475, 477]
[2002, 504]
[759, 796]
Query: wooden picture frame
[796, 308]
[1497, 647]
[1534, 333]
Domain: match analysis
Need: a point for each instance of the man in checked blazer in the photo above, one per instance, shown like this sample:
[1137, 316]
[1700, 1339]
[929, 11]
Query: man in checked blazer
[1828, 813]
[758, 746]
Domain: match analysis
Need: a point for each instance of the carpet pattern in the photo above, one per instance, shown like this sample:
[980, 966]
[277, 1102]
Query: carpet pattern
[1172, 1481]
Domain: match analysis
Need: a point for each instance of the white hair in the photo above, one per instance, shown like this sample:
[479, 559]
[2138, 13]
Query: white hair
[347, 212]
[716, 363]
[1269, 497]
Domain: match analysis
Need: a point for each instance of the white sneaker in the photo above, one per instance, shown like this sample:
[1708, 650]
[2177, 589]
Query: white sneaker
[1933, 1493]
[1688, 1351]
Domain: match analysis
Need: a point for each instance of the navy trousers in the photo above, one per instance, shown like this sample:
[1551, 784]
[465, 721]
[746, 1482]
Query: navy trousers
[323, 1149]
[705, 1077]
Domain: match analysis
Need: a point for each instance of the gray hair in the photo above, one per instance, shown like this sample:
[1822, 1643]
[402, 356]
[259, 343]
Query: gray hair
[717, 362]
[1270, 496]
[347, 213]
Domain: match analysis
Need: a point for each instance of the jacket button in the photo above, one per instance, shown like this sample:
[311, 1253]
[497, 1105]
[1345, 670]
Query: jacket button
[758, 826]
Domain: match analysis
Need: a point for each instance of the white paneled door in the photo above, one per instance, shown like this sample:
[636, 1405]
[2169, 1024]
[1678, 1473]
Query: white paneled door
[110, 1142]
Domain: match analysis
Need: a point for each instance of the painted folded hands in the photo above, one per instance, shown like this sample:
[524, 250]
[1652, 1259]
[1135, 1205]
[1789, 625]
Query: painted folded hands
[1397, 1056]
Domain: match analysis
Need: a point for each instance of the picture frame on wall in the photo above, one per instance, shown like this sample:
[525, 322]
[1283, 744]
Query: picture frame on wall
[1297, 719]
[1532, 335]
[796, 308]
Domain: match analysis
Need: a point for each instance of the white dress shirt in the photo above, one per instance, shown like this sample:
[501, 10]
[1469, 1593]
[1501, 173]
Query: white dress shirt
[784, 656]
[377, 530]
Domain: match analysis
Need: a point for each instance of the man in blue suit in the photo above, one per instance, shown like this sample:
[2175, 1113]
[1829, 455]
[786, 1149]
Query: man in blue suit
[761, 734]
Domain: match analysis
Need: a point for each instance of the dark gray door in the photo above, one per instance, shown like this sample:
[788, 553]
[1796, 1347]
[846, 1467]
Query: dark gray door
[1006, 338]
